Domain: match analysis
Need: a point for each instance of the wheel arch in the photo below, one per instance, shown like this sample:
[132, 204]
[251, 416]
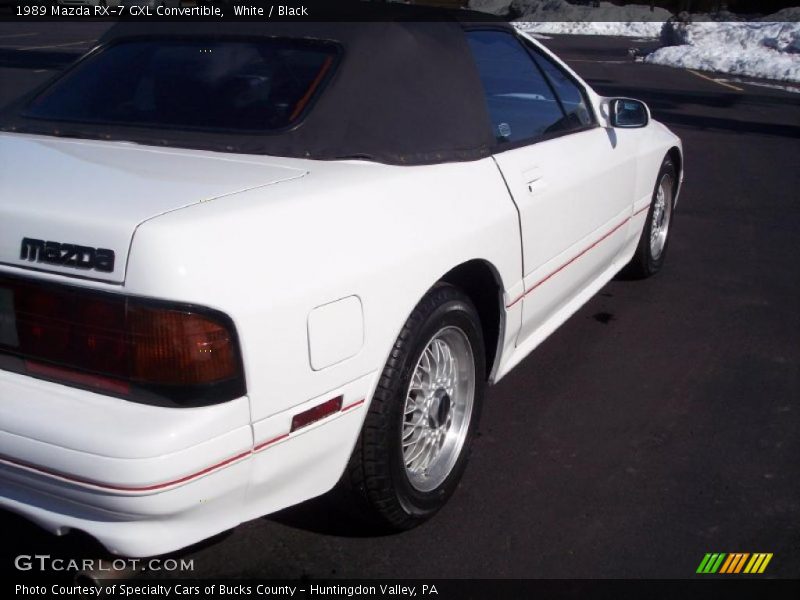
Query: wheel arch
[676, 155]
[480, 280]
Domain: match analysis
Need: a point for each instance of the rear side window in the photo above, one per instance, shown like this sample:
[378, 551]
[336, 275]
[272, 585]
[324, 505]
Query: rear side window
[571, 96]
[520, 102]
[253, 86]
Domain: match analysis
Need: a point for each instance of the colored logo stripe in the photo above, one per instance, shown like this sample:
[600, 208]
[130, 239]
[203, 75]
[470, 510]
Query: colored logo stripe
[710, 563]
[721, 562]
[758, 563]
[734, 563]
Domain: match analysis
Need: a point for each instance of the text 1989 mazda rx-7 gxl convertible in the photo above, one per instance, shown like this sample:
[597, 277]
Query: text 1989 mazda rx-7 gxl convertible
[240, 265]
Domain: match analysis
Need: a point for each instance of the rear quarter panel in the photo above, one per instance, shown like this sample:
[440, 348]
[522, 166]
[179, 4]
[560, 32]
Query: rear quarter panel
[269, 256]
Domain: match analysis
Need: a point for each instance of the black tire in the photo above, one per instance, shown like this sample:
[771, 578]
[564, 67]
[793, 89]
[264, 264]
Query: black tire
[376, 479]
[644, 264]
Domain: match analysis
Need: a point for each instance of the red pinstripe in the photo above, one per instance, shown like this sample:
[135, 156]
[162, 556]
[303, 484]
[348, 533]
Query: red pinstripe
[577, 256]
[354, 404]
[274, 440]
[158, 486]
[122, 488]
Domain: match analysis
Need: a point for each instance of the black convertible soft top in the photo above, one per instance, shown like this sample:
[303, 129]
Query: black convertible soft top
[405, 92]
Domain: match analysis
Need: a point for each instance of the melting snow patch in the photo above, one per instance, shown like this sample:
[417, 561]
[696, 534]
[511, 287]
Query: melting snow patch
[756, 48]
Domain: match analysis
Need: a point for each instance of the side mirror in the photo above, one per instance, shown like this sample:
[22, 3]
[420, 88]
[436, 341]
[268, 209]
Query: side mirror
[628, 113]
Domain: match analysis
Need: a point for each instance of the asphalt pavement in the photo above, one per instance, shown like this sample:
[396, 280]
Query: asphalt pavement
[661, 422]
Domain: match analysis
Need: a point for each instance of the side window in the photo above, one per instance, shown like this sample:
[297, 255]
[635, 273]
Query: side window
[521, 104]
[568, 91]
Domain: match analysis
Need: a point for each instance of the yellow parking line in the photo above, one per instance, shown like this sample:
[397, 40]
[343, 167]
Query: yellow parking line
[707, 78]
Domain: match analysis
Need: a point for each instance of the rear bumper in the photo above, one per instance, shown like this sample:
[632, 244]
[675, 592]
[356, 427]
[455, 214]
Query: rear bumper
[144, 525]
[146, 480]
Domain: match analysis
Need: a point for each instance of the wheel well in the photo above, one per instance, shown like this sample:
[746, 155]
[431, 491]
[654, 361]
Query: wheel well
[677, 159]
[480, 281]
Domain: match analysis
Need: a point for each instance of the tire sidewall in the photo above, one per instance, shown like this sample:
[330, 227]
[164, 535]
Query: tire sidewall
[455, 313]
[654, 264]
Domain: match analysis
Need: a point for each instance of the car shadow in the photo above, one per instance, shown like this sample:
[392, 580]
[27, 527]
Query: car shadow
[328, 514]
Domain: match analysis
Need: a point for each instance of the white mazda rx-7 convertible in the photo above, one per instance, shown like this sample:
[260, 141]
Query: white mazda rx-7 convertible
[243, 264]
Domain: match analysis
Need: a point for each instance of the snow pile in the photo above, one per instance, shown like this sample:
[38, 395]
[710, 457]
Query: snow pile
[786, 14]
[723, 42]
[494, 7]
[635, 29]
[559, 16]
[754, 48]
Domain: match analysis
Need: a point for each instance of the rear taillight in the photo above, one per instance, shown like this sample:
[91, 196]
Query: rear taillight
[180, 348]
[140, 349]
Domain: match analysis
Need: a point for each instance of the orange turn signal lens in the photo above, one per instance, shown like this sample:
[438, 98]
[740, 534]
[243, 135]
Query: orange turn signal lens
[173, 347]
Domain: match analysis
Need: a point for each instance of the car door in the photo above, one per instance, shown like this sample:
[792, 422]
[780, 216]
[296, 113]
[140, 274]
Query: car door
[572, 180]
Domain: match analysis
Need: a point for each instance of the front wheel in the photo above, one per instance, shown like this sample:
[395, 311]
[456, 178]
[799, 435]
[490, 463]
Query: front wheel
[417, 433]
[652, 248]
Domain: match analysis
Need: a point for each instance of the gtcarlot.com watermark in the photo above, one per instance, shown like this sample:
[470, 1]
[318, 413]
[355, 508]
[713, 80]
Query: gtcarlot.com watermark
[50, 564]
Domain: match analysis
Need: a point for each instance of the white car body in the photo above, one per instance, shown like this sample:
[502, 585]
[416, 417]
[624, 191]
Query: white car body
[318, 264]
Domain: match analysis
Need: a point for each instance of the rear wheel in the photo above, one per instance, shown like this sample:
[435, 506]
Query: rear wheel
[417, 433]
[652, 248]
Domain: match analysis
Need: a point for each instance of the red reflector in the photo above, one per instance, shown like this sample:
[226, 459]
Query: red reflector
[312, 415]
